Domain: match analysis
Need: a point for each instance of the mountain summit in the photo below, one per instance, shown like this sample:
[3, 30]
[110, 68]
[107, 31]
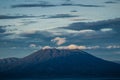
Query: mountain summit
[58, 62]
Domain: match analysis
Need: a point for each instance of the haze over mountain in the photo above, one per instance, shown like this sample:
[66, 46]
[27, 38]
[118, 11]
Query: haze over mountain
[58, 62]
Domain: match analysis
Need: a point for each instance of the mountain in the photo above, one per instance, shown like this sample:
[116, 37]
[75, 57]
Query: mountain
[58, 62]
[6, 63]
[117, 62]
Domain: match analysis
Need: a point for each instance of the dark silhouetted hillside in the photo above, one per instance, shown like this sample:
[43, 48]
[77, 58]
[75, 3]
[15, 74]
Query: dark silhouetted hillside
[58, 62]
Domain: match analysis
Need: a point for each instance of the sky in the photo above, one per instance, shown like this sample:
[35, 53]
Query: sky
[90, 25]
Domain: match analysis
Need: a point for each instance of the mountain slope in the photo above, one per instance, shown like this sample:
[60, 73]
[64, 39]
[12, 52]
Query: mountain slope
[54, 62]
[7, 62]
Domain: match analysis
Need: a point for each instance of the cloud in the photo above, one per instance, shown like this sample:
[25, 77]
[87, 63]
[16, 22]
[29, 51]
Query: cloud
[87, 5]
[73, 46]
[45, 4]
[16, 17]
[78, 19]
[93, 47]
[88, 31]
[13, 36]
[36, 34]
[106, 29]
[112, 23]
[110, 2]
[33, 5]
[117, 0]
[71, 3]
[81, 5]
[91, 30]
[28, 22]
[31, 36]
[2, 30]
[81, 47]
[73, 11]
[30, 32]
[13, 47]
[113, 46]
[46, 47]
[41, 16]
[63, 16]
[21, 34]
[85, 35]
[32, 45]
[59, 40]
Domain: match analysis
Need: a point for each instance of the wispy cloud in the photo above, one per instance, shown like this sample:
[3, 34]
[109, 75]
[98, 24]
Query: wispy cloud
[73, 46]
[106, 29]
[82, 47]
[59, 40]
[88, 31]
[113, 46]
[92, 34]
[32, 45]
[46, 47]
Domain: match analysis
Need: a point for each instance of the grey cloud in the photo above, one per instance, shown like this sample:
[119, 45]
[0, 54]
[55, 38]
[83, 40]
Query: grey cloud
[82, 5]
[99, 33]
[44, 4]
[92, 34]
[35, 34]
[3, 33]
[87, 5]
[112, 23]
[71, 3]
[28, 22]
[63, 16]
[2, 30]
[33, 5]
[26, 38]
[73, 11]
[79, 19]
[16, 16]
[110, 2]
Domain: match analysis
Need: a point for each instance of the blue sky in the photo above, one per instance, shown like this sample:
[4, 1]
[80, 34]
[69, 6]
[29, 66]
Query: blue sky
[29, 25]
